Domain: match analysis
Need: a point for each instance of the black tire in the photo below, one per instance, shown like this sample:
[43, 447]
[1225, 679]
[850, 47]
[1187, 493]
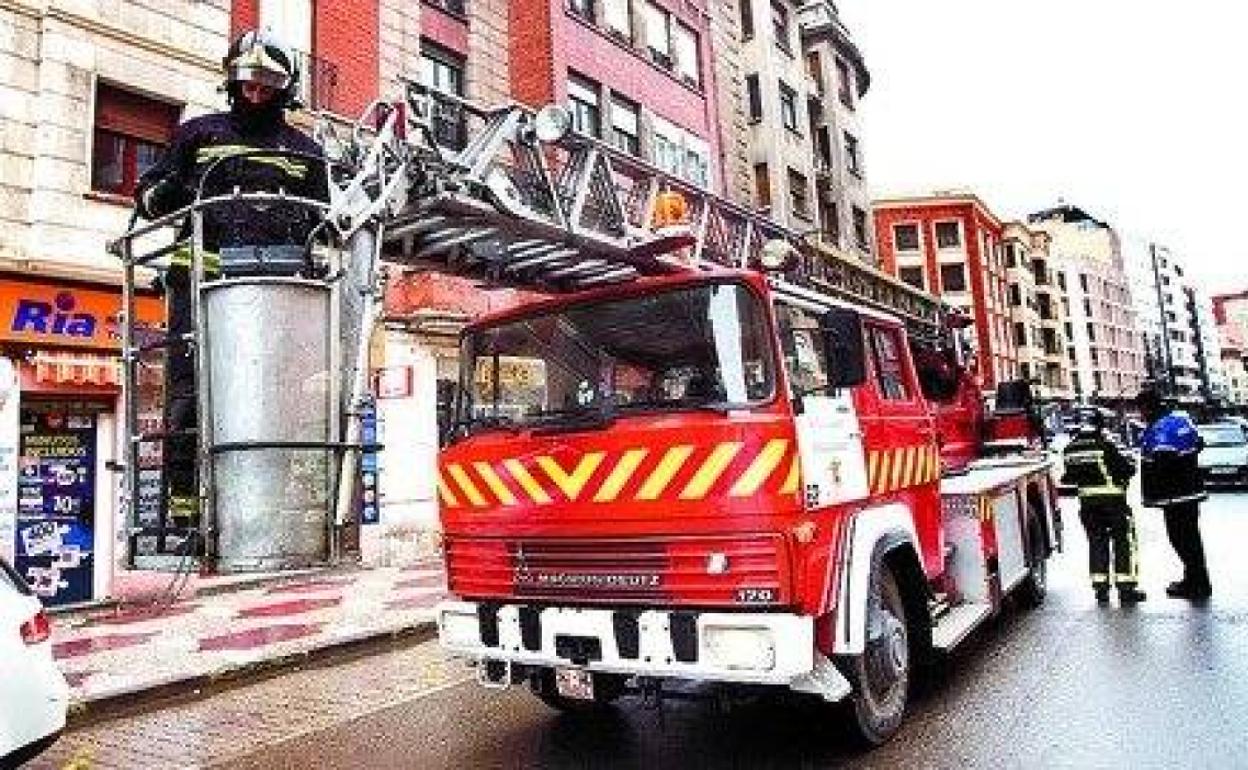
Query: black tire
[1035, 587]
[881, 676]
[607, 688]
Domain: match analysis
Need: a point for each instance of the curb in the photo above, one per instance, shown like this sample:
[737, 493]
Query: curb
[139, 698]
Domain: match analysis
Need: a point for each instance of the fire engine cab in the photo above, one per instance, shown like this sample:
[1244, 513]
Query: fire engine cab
[712, 456]
[719, 476]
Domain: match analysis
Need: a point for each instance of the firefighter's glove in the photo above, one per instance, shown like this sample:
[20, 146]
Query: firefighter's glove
[162, 197]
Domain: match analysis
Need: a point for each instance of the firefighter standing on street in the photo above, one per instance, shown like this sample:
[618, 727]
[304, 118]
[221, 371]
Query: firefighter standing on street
[216, 154]
[1170, 479]
[1100, 470]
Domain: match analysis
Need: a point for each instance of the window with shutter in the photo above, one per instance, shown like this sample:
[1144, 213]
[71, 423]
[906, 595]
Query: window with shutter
[131, 133]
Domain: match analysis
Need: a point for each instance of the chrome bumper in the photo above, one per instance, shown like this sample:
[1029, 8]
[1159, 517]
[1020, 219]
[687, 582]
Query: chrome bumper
[747, 648]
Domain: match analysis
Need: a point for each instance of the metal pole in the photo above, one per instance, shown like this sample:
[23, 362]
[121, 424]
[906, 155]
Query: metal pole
[203, 400]
[336, 364]
[365, 246]
[130, 405]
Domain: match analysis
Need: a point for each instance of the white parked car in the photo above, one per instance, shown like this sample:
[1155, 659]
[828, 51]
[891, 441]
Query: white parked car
[1224, 460]
[34, 696]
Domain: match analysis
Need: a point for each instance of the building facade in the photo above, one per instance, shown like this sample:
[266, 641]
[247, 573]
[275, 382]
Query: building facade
[803, 77]
[1167, 320]
[1036, 316]
[1104, 346]
[638, 75]
[950, 245]
[92, 92]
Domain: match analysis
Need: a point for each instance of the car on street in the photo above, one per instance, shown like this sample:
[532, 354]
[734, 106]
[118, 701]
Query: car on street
[1224, 460]
[34, 696]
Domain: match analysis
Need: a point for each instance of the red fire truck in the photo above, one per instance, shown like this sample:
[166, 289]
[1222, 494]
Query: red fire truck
[708, 471]
[712, 455]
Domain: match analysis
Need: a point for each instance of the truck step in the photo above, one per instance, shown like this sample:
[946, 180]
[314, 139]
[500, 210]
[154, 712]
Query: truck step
[956, 624]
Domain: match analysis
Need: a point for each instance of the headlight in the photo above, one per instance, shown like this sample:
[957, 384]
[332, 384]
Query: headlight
[739, 648]
[460, 629]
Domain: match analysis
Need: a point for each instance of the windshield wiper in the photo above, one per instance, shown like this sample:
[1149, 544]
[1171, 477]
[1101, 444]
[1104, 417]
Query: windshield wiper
[566, 420]
[489, 422]
[719, 407]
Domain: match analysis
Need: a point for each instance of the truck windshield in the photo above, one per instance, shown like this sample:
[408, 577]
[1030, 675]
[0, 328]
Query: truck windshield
[690, 348]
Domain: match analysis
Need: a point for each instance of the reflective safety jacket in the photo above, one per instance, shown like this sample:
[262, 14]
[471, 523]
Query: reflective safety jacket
[1170, 471]
[174, 182]
[1096, 466]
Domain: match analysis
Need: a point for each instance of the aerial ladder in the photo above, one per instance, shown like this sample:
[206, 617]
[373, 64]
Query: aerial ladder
[282, 363]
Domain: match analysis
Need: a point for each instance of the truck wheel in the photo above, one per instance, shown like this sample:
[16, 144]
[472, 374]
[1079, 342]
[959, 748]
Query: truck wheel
[1034, 588]
[607, 688]
[881, 675]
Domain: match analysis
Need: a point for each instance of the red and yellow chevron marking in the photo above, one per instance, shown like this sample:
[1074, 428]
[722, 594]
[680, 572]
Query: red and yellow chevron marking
[889, 470]
[684, 472]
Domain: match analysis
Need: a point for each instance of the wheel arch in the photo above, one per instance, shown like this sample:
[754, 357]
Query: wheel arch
[881, 537]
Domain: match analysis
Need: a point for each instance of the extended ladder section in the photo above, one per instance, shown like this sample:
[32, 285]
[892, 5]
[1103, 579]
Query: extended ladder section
[518, 197]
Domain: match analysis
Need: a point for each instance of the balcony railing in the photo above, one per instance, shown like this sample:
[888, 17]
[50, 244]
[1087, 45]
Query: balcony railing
[318, 83]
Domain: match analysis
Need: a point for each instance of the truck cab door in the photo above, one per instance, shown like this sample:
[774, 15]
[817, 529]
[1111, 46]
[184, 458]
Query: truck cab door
[829, 436]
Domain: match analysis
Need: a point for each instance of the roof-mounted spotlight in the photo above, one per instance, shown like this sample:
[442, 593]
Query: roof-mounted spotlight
[778, 255]
[552, 123]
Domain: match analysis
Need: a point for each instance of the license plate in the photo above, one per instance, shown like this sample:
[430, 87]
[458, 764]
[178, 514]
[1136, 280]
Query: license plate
[1224, 471]
[574, 683]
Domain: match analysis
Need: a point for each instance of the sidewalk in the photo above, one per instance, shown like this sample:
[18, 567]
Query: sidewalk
[221, 625]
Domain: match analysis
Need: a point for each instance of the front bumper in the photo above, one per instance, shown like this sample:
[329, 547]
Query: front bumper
[747, 648]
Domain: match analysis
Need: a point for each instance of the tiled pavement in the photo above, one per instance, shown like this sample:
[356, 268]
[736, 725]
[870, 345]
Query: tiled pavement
[220, 728]
[214, 630]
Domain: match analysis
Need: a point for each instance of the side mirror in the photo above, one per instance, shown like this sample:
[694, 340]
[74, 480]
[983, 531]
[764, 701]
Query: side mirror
[846, 350]
[445, 409]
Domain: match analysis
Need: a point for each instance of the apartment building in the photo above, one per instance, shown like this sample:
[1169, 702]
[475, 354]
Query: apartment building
[1104, 347]
[1177, 322]
[91, 93]
[1035, 310]
[1204, 330]
[950, 244]
[635, 73]
[804, 77]
[1230, 313]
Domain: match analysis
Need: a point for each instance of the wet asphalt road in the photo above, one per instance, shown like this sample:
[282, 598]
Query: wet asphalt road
[1069, 685]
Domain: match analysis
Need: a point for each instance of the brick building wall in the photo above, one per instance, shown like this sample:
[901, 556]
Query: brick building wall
[346, 35]
[549, 40]
[399, 31]
[985, 296]
[531, 65]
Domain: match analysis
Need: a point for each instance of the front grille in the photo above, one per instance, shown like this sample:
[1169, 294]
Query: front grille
[753, 570]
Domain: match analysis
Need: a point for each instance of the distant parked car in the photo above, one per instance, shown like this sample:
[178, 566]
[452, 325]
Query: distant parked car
[1224, 460]
[34, 696]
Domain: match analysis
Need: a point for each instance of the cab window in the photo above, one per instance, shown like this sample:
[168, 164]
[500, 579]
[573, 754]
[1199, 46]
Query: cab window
[889, 364]
[801, 339]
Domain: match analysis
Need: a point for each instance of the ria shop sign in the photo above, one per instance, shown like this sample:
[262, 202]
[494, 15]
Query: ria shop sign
[68, 316]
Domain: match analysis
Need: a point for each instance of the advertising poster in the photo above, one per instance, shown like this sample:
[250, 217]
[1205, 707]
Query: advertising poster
[369, 511]
[56, 504]
[8, 457]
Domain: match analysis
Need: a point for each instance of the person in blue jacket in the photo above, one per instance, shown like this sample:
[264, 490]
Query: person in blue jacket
[1170, 479]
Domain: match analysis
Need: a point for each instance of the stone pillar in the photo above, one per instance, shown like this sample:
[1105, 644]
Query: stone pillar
[488, 57]
[726, 51]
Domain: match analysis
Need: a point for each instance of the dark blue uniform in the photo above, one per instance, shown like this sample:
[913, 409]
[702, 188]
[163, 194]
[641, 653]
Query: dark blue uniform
[248, 232]
[1170, 479]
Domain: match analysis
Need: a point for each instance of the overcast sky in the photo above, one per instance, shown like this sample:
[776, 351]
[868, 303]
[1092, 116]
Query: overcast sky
[1136, 110]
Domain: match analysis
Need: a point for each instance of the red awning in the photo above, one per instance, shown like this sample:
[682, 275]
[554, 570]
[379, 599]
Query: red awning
[55, 367]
